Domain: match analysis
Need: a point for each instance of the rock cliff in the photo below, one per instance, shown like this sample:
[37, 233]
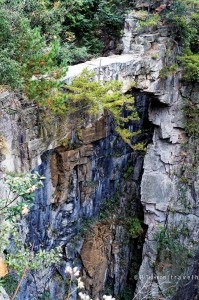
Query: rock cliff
[92, 194]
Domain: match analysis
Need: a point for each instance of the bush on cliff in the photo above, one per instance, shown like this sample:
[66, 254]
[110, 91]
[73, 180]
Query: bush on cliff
[38, 37]
[28, 63]
[88, 97]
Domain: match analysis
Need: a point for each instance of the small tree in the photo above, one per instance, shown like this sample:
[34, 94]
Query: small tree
[87, 97]
[28, 63]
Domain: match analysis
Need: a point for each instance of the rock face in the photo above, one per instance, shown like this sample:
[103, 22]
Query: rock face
[85, 187]
[169, 196]
[95, 253]
[91, 195]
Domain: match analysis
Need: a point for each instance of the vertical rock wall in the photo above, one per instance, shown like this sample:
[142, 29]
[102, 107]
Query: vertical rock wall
[87, 176]
[87, 189]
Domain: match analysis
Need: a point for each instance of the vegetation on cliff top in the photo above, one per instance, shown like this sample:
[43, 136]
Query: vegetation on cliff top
[184, 17]
[39, 37]
[88, 97]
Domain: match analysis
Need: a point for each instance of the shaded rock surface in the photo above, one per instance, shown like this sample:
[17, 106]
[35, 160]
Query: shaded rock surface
[82, 184]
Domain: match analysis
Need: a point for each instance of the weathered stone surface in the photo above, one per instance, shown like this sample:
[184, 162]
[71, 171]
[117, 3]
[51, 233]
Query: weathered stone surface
[95, 255]
[79, 179]
[93, 133]
[3, 295]
[167, 202]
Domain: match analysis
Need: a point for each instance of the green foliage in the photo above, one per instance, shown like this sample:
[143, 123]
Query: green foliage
[168, 240]
[22, 186]
[77, 23]
[28, 63]
[72, 53]
[134, 227]
[140, 146]
[150, 21]
[109, 207]
[154, 56]
[183, 17]
[87, 97]
[190, 64]
[24, 258]
[19, 257]
[169, 246]
[9, 283]
[168, 71]
[191, 110]
[128, 172]
[92, 22]
[86, 227]
[37, 38]
[45, 296]
[191, 3]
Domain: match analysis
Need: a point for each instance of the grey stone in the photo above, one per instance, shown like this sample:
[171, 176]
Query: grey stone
[3, 294]
[92, 176]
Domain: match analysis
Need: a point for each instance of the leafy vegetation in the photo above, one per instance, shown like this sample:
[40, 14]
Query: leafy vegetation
[182, 16]
[192, 118]
[184, 19]
[150, 21]
[9, 283]
[190, 64]
[22, 186]
[80, 24]
[28, 62]
[170, 249]
[168, 71]
[38, 37]
[88, 97]
[19, 257]
[109, 208]
[128, 172]
[134, 227]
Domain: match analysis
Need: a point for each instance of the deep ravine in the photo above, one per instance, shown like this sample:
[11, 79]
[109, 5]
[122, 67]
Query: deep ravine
[98, 191]
[88, 205]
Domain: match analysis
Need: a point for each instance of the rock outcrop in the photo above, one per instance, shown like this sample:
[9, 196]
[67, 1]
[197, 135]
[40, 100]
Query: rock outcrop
[86, 171]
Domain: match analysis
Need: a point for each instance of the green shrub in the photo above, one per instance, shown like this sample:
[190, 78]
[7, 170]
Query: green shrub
[128, 172]
[168, 71]
[28, 63]
[134, 227]
[88, 97]
[170, 248]
[83, 23]
[191, 110]
[190, 64]
[150, 21]
[183, 18]
[20, 257]
[9, 283]
[109, 207]
[22, 186]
